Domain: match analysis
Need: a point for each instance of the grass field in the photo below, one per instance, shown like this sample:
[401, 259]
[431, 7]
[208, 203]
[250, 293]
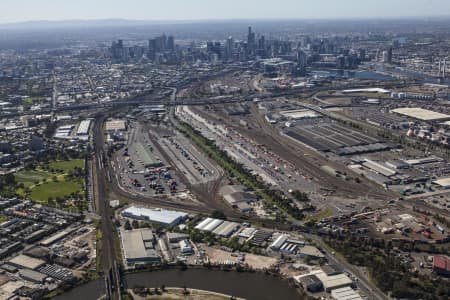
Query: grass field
[68, 165]
[327, 212]
[42, 192]
[28, 178]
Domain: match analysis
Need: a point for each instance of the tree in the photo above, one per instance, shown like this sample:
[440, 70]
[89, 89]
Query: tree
[127, 225]
[217, 214]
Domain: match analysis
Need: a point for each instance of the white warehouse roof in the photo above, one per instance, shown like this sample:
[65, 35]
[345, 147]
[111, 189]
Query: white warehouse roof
[345, 293]
[83, 128]
[421, 114]
[166, 217]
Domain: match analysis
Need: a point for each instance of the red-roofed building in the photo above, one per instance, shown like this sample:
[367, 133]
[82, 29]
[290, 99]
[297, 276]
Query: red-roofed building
[441, 265]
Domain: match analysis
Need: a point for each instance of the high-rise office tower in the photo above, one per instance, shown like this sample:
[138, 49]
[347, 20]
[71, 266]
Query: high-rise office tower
[170, 43]
[250, 41]
[301, 62]
[229, 49]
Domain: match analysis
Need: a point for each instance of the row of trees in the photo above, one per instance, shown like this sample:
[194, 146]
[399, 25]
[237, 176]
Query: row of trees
[238, 171]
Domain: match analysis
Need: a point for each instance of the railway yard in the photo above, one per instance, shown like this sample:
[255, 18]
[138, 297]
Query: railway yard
[248, 176]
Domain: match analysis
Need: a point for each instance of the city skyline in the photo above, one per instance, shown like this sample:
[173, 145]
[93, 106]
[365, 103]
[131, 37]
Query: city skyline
[203, 10]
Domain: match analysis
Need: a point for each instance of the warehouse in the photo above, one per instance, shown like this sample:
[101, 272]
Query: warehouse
[345, 293]
[161, 216]
[226, 229]
[145, 153]
[56, 237]
[311, 251]
[421, 114]
[443, 182]
[212, 225]
[279, 241]
[218, 227]
[83, 128]
[335, 281]
[379, 168]
[32, 276]
[24, 261]
[368, 90]
[300, 114]
[57, 272]
[116, 125]
[185, 247]
[138, 246]
[441, 265]
[329, 283]
[310, 283]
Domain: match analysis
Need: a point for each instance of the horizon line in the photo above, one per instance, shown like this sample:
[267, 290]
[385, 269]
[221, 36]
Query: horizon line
[202, 20]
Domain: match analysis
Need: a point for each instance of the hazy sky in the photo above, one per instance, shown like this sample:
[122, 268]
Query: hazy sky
[25, 10]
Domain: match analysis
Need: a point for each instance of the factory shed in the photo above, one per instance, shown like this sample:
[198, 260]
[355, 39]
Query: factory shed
[310, 251]
[212, 225]
[25, 261]
[279, 241]
[421, 114]
[333, 282]
[441, 265]
[138, 246]
[226, 229]
[83, 128]
[379, 168]
[32, 276]
[443, 182]
[331, 270]
[345, 293]
[115, 125]
[161, 216]
[148, 157]
[311, 283]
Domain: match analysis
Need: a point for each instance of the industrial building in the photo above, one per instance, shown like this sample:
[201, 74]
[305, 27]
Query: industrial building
[138, 246]
[310, 251]
[218, 227]
[379, 168]
[443, 182]
[145, 153]
[161, 216]
[311, 283]
[441, 265]
[299, 114]
[25, 261]
[32, 276]
[116, 125]
[329, 283]
[421, 114]
[345, 293]
[186, 247]
[83, 128]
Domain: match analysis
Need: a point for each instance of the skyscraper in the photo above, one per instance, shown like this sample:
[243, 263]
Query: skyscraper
[250, 42]
[301, 62]
[229, 49]
[170, 43]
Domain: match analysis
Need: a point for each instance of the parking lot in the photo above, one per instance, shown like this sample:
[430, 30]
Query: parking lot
[141, 168]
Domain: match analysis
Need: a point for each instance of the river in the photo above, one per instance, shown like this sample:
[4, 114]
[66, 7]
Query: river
[246, 285]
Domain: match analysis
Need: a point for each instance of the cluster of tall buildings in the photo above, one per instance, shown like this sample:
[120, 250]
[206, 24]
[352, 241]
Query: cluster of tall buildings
[159, 49]
[306, 52]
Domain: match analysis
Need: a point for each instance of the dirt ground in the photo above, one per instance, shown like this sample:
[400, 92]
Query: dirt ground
[255, 261]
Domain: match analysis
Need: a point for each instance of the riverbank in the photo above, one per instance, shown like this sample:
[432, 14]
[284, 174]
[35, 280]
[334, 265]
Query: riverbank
[176, 293]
